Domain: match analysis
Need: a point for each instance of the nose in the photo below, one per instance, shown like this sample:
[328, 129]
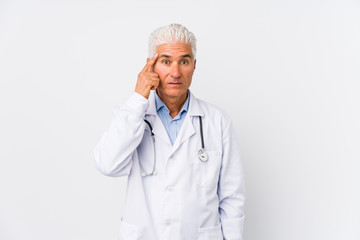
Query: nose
[175, 71]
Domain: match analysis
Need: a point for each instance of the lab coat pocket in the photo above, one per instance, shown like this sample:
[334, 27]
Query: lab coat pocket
[210, 233]
[128, 231]
[207, 173]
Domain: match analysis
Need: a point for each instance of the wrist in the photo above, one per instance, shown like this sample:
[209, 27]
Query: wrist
[145, 93]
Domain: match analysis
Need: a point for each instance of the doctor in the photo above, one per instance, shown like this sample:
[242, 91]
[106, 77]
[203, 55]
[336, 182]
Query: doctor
[180, 154]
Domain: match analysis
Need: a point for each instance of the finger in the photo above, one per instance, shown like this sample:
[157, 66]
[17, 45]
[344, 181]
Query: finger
[145, 68]
[155, 84]
[151, 62]
[153, 59]
[143, 75]
[146, 65]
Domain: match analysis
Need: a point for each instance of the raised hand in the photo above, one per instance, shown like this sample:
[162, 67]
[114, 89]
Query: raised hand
[147, 78]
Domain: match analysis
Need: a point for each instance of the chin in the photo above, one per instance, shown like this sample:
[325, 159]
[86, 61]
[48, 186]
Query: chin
[177, 92]
[174, 92]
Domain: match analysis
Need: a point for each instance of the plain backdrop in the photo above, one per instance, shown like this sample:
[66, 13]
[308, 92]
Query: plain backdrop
[287, 72]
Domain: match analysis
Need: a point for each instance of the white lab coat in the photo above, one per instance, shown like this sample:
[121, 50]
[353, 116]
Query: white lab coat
[187, 199]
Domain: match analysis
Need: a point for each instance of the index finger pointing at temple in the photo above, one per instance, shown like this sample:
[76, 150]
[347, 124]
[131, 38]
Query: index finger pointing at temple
[149, 65]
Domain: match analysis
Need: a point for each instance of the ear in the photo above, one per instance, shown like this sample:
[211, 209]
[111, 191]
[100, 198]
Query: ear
[194, 64]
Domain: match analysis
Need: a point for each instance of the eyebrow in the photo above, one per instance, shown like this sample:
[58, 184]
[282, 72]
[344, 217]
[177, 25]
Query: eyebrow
[168, 56]
[186, 56]
[164, 56]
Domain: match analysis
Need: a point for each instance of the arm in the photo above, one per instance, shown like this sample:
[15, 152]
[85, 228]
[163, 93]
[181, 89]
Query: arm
[113, 154]
[231, 189]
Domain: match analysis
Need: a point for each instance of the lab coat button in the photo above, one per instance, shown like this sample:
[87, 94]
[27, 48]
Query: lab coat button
[167, 222]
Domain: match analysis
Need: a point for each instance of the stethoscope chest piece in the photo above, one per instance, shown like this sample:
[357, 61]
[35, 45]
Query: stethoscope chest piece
[202, 155]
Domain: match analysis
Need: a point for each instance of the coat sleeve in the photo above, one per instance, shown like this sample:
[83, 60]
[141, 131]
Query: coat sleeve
[231, 188]
[113, 153]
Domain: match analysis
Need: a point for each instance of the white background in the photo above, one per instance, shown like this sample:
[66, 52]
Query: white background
[287, 72]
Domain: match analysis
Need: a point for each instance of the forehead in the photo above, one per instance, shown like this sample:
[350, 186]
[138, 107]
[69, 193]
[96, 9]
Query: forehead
[174, 50]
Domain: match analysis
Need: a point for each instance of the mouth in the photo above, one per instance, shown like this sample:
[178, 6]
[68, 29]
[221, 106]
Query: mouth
[174, 83]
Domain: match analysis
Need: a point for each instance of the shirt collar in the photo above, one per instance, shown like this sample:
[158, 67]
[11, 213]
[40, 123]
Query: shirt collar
[160, 104]
[194, 105]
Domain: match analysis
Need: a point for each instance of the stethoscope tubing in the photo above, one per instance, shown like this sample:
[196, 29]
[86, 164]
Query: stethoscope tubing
[201, 133]
[202, 155]
[144, 174]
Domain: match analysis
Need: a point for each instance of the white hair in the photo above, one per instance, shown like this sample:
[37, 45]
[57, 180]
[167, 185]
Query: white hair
[170, 34]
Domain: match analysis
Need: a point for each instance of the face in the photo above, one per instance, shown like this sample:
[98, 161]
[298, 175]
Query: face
[175, 66]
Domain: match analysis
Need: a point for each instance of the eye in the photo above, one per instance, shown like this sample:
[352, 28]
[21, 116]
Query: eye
[166, 62]
[184, 62]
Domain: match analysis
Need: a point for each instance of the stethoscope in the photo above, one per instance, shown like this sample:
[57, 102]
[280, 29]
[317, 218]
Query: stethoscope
[202, 154]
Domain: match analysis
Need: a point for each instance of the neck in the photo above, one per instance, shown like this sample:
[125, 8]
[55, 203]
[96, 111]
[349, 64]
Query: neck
[174, 104]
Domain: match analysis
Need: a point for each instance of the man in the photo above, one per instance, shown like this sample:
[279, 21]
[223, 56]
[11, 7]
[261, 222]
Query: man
[179, 153]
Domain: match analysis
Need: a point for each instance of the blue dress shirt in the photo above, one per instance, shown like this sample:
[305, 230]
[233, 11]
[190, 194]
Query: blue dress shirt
[172, 125]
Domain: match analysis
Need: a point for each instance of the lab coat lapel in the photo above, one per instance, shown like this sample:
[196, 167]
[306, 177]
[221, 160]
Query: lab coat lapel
[188, 129]
[158, 127]
[160, 131]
